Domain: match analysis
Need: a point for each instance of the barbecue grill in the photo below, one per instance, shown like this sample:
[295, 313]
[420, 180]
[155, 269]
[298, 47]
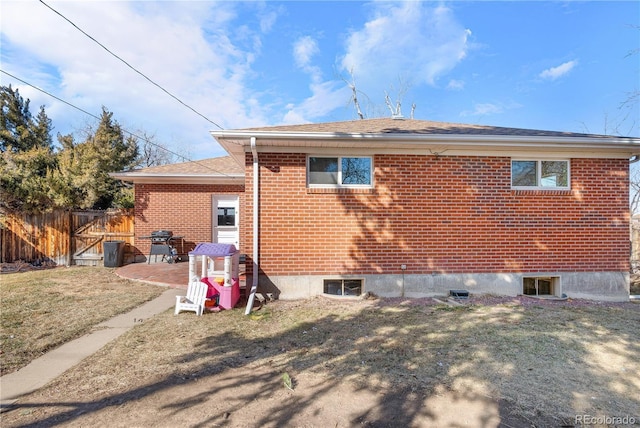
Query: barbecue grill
[161, 244]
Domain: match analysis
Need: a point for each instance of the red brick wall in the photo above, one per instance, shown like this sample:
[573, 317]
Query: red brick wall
[185, 209]
[446, 215]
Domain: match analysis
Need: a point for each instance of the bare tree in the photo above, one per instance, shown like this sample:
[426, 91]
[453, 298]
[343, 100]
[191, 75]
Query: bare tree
[356, 171]
[354, 94]
[401, 91]
[396, 111]
[153, 153]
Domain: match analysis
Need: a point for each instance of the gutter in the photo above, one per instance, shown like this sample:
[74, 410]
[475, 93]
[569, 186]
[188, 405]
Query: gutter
[236, 144]
[256, 228]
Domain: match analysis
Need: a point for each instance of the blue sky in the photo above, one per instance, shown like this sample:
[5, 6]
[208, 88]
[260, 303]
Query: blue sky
[561, 66]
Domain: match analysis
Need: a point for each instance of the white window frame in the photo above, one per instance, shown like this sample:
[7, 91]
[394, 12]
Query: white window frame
[539, 185]
[339, 178]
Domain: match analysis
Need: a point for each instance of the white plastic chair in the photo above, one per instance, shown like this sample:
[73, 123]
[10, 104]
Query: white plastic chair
[195, 298]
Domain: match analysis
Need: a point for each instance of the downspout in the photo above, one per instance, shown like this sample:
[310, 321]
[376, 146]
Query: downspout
[256, 200]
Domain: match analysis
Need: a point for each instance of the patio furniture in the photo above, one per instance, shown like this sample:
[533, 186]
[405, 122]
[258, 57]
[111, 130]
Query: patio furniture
[195, 298]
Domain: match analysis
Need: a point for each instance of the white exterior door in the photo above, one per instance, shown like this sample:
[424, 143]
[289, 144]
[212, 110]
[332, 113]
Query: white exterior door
[226, 220]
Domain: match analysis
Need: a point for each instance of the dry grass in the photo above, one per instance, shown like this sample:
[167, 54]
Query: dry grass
[549, 360]
[540, 362]
[43, 309]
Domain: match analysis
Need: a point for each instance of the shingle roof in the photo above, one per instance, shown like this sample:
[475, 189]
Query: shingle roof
[220, 170]
[413, 126]
[224, 165]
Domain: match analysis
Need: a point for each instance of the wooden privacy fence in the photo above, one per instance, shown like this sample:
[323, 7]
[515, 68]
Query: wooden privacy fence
[63, 237]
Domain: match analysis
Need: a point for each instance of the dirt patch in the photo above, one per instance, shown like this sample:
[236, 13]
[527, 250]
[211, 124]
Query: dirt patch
[380, 362]
[22, 266]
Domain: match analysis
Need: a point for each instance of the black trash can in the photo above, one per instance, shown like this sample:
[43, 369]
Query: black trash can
[113, 253]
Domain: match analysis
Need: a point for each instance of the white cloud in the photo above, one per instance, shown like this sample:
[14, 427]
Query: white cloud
[412, 40]
[455, 85]
[294, 117]
[483, 109]
[186, 48]
[303, 51]
[268, 20]
[489, 109]
[554, 73]
[325, 97]
[206, 54]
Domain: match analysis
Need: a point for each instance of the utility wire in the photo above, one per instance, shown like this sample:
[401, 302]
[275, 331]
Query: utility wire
[131, 67]
[184, 158]
[51, 95]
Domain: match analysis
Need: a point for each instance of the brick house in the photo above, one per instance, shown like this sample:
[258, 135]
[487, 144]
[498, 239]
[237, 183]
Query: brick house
[181, 198]
[408, 208]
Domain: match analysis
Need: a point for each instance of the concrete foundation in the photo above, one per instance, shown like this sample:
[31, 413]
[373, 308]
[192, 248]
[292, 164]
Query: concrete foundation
[604, 286]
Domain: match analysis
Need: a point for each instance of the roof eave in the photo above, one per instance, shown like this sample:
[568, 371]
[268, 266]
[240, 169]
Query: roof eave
[141, 178]
[234, 142]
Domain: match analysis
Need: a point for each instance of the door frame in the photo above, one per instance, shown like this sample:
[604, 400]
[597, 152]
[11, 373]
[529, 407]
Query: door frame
[232, 199]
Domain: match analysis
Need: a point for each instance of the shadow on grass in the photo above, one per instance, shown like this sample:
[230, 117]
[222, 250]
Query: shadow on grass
[404, 364]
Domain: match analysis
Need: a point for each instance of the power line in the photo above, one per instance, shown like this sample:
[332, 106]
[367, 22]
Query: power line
[184, 158]
[91, 114]
[131, 67]
[51, 95]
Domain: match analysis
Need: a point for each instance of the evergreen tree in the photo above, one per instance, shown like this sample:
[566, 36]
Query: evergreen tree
[24, 181]
[27, 157]
[35, 179]
[42, 130]
[15, 119]
[68, 182]
[82, 178]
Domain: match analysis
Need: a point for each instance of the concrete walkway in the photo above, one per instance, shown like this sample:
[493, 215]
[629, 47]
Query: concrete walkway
[52, 364]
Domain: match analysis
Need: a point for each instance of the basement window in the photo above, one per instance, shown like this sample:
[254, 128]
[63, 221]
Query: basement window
[343, 287]
[541, 286]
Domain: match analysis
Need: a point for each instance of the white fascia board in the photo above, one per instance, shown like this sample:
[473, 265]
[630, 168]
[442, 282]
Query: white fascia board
[453, 151]
[138, 178]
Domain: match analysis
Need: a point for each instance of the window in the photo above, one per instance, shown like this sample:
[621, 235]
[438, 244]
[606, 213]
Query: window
[540, 174]
[339, 171]
[226, 216]
[343, 287]
[541, 286]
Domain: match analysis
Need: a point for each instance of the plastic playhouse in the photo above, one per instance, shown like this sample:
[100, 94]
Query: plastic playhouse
[220, 270]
